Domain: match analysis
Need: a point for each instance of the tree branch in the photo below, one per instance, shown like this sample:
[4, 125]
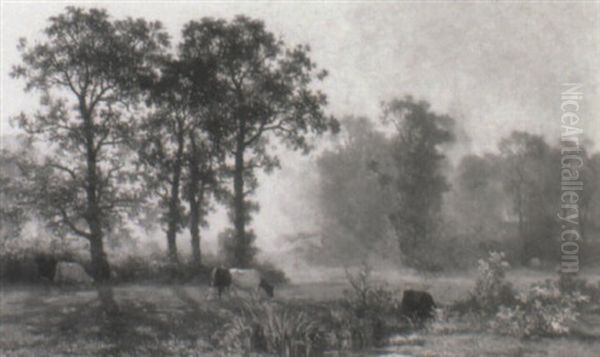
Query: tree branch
[67, 221]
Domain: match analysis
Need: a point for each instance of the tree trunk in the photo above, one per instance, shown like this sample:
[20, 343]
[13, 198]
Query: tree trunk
[239, 209]
[195, 198]
[195, 229]
[100, 268]
[174, 214]
[521, 227]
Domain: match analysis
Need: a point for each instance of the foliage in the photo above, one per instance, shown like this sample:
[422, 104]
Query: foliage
[369, 311]
[529, 167]
[491, 288]
[269, 93]
[13, 212]
[271, 273]
[543, 310]
[353, 200]
[154, 267]
[269, 328]
[180, 145]
[418, 180]
[18, 256]
[90, 71]
[365, 298]
[228, 245]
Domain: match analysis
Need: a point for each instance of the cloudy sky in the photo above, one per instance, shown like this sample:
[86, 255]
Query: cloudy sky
[494, 66]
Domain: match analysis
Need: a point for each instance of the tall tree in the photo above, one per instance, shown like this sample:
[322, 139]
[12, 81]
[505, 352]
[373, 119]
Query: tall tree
[353, 197]
[89, 70]
[269, 94]
[180, 145]
[531, 179]
[205, 173]
[419, 180]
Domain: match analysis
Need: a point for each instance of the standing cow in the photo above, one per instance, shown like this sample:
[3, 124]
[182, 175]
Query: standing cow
[71, 273]
[245, 279]
[417, 305]
[220, 278]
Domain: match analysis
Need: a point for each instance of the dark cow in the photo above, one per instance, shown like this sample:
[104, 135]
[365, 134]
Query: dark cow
[417, 305]
[268, 288]
[220, 278]
[46, 266]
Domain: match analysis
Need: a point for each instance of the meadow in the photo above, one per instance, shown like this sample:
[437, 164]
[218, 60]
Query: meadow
[183, 319]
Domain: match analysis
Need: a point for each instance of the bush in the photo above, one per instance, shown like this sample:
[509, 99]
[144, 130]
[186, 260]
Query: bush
[367, 299]
[154, 267]
[491, 288]
[22, 260]
[543, 310]
[371, 311]
[271, 273]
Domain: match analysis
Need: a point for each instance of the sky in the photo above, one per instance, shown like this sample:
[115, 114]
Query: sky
[493, 66]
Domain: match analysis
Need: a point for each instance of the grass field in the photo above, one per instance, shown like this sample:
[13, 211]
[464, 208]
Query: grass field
[144, 320]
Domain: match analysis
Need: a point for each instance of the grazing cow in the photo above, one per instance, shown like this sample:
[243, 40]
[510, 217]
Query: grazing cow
[417, 305]
[250, 279]
[244, 279]
[220, 278]
[71, 273]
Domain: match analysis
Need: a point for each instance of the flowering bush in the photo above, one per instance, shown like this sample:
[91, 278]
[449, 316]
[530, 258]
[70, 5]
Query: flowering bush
[543, 310]
[491, 288]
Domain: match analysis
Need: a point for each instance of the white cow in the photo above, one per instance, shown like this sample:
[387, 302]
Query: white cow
[250, 279]
[71, 273]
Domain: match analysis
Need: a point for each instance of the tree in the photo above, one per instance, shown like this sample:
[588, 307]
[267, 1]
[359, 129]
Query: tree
[419, 180]
[89, 70]
[205, 166]
[181, 146]
[477, 201]
[531, 179]
[13, 212]
[353, 194]
[269, 94]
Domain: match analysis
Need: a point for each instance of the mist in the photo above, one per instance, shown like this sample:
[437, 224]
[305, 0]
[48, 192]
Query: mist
[493, 67]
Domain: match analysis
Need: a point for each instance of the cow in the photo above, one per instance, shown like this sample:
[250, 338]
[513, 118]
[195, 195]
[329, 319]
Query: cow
[244, 279]
[71, 273]
[417, 305]
[220, 278]
[46, 266]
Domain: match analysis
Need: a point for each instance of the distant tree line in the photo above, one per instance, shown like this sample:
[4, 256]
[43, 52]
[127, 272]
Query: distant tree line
[399, 196]
[128, 125]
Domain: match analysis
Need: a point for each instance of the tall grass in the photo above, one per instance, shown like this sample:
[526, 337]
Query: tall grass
[267, 327]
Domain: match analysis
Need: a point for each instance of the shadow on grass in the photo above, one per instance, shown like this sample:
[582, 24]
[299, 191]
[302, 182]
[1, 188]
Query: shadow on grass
[136, 326]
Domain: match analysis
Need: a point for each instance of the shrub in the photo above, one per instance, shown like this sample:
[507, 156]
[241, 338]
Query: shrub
[153, 267]
[543, 310]
[20, 258]
[365, 298]
[491, 288]
[371, 311]
[271, 273]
